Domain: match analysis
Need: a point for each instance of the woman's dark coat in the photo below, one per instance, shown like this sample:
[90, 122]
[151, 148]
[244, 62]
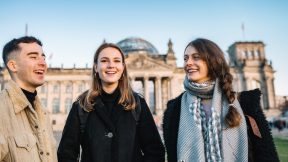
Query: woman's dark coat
[260, 149]
[107, 140]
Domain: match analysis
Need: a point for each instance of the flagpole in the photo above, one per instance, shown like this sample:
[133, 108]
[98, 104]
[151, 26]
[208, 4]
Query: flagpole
[243, 30]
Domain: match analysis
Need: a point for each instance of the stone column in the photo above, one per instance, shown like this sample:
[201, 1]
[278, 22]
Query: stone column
[169, 88]
[62, 94]
[146, 89]
[75, 87]
[270, 93]
[158, 90]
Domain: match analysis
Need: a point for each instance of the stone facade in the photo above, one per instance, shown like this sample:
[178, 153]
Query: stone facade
[252, 70]
[155, 76]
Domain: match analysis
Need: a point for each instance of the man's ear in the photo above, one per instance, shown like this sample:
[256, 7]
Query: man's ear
[12, 65]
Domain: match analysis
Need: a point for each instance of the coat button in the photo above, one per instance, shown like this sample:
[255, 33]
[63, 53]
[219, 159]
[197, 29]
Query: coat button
[36, 126]
[110, 135]
[41, 152]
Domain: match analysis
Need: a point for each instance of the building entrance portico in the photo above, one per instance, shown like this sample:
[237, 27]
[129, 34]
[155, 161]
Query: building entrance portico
[155, 90]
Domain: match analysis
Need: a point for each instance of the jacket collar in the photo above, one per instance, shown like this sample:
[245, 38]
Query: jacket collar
[18, 98]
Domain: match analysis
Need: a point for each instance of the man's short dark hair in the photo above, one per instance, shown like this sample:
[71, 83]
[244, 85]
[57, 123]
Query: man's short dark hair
[13, 45]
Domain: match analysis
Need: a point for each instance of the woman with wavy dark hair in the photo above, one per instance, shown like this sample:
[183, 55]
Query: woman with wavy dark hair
[206, 122]
[110, 122]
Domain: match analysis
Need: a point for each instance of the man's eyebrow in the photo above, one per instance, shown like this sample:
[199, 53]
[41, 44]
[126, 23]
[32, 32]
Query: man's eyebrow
[35, 53]
[32, 53]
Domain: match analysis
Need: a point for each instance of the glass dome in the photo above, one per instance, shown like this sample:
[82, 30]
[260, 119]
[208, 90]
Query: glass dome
[137, 45]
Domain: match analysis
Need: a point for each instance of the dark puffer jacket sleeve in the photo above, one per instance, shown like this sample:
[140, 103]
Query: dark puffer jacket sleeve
[69, 147]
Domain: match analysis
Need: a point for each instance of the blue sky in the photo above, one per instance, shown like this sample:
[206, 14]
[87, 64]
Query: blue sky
[72, 30]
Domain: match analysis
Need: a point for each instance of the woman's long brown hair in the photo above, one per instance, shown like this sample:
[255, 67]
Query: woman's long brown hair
[218, 68]
[126, 99]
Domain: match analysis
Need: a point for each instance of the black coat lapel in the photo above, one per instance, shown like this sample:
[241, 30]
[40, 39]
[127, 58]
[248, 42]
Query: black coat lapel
[100, 110]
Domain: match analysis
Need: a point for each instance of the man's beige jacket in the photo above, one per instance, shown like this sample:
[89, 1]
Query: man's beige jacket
[25, 133]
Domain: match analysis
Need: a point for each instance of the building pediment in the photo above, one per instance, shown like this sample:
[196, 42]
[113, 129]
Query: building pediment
[144, 62]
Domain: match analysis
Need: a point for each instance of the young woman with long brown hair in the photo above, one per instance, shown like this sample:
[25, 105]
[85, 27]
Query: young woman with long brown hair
[206, 122]
[116, 127]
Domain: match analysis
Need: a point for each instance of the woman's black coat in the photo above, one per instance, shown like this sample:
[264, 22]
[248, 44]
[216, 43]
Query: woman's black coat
[105, 140]
[260, 149]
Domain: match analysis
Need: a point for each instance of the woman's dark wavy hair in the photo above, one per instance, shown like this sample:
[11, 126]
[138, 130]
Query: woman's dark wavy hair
[218, 69]
[126, 99]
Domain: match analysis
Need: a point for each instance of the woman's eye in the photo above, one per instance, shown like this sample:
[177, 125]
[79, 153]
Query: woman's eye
[196, 57]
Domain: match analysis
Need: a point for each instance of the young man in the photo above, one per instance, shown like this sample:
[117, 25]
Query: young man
[25, 131]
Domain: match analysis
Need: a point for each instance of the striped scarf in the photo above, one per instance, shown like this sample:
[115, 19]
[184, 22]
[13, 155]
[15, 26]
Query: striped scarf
[201, 138]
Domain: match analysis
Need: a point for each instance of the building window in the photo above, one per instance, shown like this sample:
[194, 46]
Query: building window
[53, 122]
[56, 88]
[246, 55]
[44, 102]
[68, 104]
[55, 106]
[69, 88]
[256, 54]
[80, 88]
[252, 54]
[249, 55]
